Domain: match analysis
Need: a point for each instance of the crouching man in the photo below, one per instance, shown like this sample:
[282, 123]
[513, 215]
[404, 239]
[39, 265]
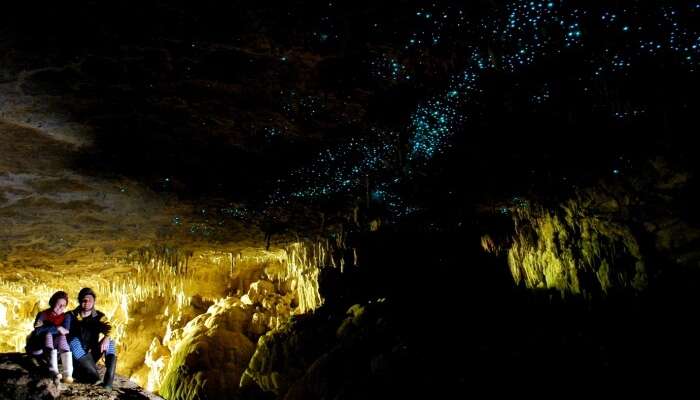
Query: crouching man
[85, 343]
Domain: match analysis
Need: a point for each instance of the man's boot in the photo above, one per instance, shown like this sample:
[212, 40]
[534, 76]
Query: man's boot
[53, 364]
[67, 361]
[88, 369]
[110, 366]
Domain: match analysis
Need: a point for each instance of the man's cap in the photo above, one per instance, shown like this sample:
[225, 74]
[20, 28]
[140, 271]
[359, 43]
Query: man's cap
[84, 292]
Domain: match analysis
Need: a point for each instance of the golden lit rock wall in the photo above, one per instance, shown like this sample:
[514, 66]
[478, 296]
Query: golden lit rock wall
[579, 248]
[207, 314]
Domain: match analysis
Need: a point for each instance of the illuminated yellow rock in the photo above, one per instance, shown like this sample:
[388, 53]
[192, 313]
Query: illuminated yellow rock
[160, 314]
[212, 354]
[156, 359]
[355, 316]
[258, 290]
[64, 230]
[575, 249]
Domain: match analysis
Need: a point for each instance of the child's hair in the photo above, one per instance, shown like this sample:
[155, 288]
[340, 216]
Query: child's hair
[57, 296]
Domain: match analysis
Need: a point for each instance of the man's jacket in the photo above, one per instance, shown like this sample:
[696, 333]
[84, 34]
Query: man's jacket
[88, 329]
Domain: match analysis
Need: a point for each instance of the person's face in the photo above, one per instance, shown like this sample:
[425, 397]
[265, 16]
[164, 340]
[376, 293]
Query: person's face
[87, 303]
[60, 307]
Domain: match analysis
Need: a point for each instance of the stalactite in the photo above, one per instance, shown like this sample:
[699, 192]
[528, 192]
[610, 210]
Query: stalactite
[575, 250]
[154, 292]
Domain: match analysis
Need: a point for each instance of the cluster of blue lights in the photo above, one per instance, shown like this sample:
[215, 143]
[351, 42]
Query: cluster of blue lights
[296, 105]
[235, 212]
[524, 33]
[201, 229]
[386, 194]
[272, 132]
[533, 29]
[432, 24]
[433, 123]
[388, 68]
[542, 96]
[666, 31]
[630, 114]
[346, 167]
[610, 41]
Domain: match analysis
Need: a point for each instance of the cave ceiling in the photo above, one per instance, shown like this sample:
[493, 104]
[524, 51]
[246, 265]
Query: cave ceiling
[127, 123]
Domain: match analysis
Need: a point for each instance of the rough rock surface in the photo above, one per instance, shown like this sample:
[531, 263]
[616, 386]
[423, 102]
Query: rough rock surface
[23, 377]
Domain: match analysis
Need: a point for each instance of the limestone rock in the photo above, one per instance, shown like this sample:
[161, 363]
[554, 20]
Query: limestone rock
[212, 354]
[23, 377]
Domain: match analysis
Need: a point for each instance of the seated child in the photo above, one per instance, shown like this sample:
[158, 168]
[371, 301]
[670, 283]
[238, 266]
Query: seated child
[50, 329]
